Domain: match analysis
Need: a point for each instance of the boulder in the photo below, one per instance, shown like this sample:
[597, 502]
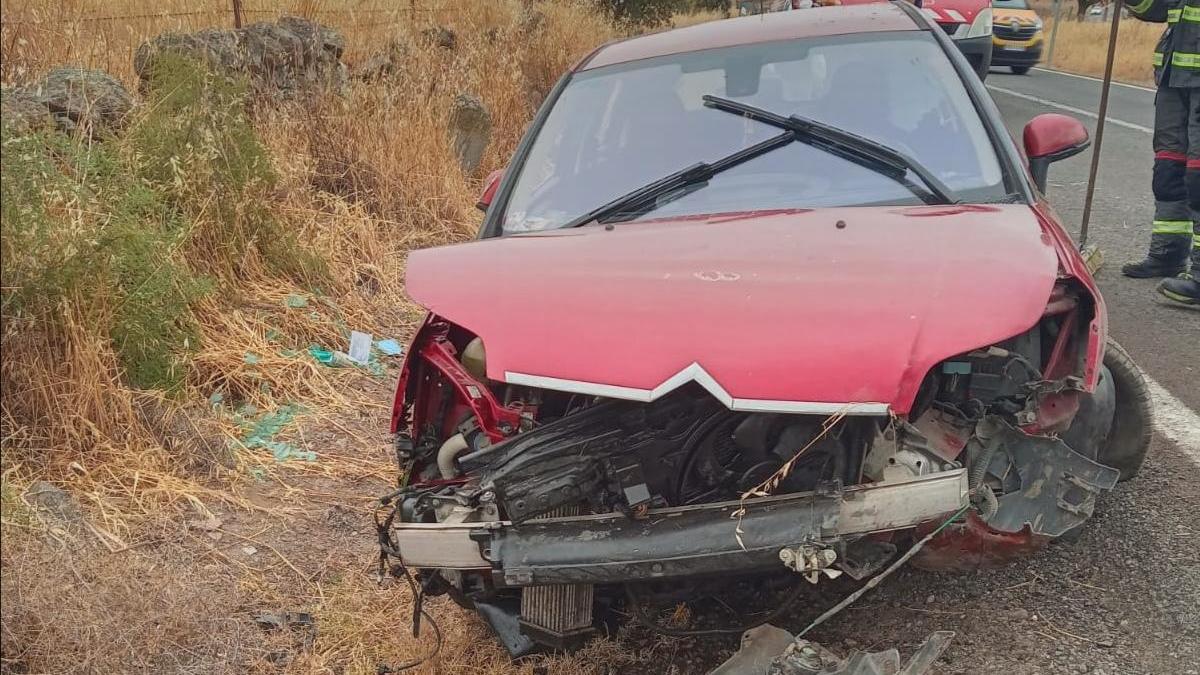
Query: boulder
[470, 130]
[22, 112]
[287, 57]
[440, 36]
[54, 503]
[71, 98]
[384, 64]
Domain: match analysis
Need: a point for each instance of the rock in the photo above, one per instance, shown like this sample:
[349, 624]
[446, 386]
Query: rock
[289, 56]
[530, 20]
[55, 503]
[210, 524]
[470, 130]
[384, 64]
[22, 112]
[440, 36]
[74, 98]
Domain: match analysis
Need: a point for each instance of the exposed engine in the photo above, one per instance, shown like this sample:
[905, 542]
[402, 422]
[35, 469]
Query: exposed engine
[527, 478]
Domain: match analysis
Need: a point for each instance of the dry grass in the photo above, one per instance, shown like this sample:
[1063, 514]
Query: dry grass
[1082, 48]
[361, 179]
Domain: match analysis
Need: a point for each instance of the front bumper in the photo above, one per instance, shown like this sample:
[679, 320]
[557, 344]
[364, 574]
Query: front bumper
[1016, 53]
[707, 539]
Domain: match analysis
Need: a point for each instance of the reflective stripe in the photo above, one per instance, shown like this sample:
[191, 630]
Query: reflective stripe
[1141, 6]
[1173, 15]
[1158, 59]
[1185, 60]
[1172, 227]
[1191, 14]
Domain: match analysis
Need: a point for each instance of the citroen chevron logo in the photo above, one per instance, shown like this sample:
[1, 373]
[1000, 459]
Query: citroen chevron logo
[696, 373]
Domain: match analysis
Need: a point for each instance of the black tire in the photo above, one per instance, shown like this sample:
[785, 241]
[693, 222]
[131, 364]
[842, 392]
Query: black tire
[1133, 420]
[1020, 70]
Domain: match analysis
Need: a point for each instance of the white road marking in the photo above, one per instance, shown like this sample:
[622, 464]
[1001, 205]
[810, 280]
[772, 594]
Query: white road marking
[1070, 109]
[1175, 421]
[1053, 71]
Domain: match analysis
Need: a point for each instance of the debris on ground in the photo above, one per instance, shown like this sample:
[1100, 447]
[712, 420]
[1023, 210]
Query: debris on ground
[334, 358]
[281, 620]
[389, 347]
[260, 431]
[360, 347]
[767, 650]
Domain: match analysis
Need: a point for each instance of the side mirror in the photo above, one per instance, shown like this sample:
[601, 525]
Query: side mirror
[1050, 137]
[489, 189]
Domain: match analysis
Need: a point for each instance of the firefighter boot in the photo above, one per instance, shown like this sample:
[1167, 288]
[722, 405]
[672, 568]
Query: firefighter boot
[1167, 257]
[1184, 289]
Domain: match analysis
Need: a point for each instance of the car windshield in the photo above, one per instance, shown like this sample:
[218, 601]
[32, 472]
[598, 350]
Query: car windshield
[617, 128]
[1010, 4]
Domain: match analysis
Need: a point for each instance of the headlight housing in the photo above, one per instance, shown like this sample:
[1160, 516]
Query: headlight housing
[1037, 23]
[982, 25]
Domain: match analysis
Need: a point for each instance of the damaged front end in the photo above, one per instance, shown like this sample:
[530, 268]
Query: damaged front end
[541, 506]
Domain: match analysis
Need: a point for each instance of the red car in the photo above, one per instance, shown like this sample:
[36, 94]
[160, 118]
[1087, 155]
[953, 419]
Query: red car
[757, 298]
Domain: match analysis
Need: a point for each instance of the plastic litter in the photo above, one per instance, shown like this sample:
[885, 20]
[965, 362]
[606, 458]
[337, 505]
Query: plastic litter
[296, 301]
[338, 359]
[251, 358]
[360, 347]
[260, 432]
[389, 347]
[329, 357]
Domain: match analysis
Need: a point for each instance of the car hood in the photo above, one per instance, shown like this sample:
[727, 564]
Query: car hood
[815, 309]
[1024, 16]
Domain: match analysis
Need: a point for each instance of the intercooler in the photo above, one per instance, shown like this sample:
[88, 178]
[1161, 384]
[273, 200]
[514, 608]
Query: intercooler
[559, 615]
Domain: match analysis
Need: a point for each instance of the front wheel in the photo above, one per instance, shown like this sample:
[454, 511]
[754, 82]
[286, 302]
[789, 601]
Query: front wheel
[1020, 70]
[1133, 420]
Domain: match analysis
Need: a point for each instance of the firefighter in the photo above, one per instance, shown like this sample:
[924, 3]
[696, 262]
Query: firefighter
[1176, 182]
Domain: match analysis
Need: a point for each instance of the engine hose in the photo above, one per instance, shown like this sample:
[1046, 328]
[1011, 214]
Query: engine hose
[975, 475]
[979, 467]
[990, 504]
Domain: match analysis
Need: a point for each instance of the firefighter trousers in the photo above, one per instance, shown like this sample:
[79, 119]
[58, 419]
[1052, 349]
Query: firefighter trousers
[1176, 182]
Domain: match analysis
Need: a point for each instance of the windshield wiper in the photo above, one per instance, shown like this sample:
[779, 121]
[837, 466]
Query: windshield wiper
[865, 152]
[862, 151]
[649, 197]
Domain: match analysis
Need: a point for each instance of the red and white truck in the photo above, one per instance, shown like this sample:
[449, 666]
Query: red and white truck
[968, 23]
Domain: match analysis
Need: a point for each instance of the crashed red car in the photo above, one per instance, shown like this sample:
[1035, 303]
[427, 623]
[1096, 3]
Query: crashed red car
[754, 298]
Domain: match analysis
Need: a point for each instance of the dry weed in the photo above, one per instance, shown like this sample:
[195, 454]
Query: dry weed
[358, 181]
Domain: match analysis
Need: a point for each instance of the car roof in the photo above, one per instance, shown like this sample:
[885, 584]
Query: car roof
[808, 23]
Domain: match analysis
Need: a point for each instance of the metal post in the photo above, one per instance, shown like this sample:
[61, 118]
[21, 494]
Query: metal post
[237, 13]
[1054, 32]
[1102, 113]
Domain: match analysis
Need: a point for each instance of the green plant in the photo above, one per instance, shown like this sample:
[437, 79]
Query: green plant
[79, 226]
[640, 14]
[197, 145]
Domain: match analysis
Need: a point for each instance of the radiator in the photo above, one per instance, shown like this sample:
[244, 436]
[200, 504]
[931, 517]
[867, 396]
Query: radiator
[560, 615]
